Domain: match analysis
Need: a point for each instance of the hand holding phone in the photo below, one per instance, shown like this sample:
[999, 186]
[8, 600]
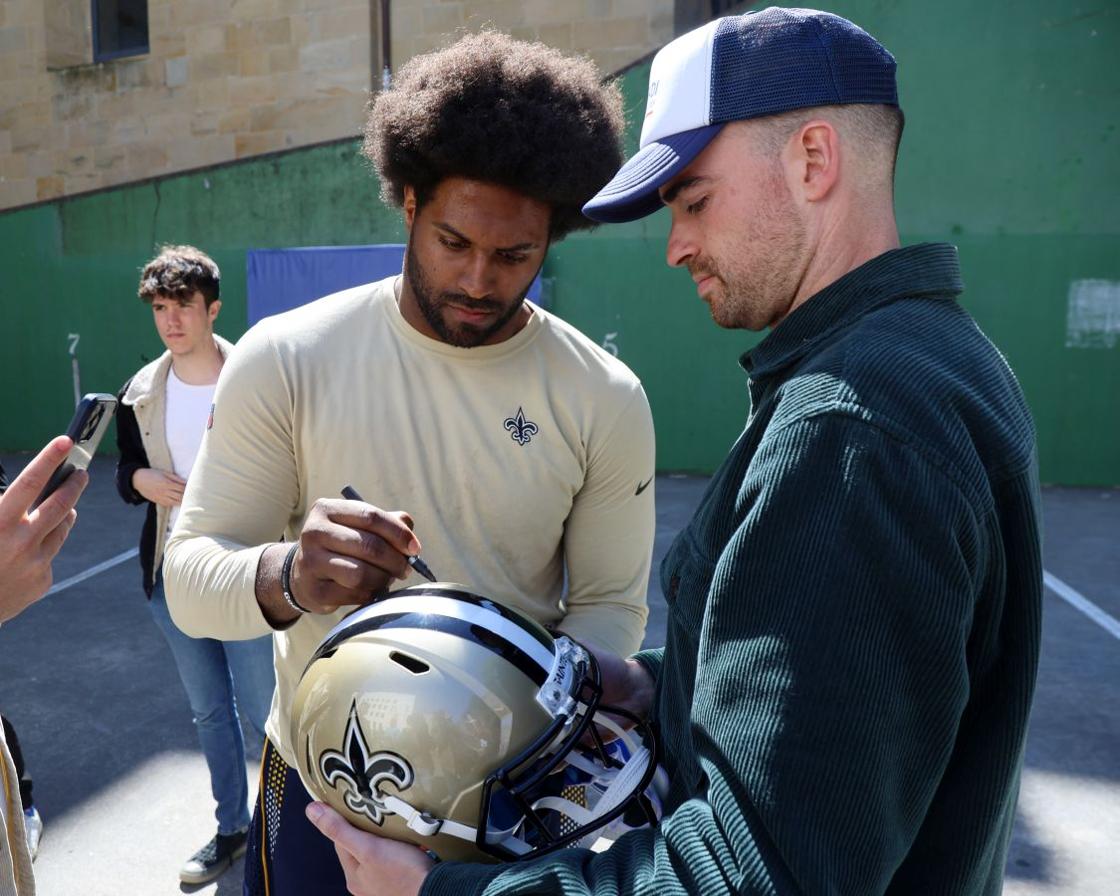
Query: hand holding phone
[30, 539]
[87, 426]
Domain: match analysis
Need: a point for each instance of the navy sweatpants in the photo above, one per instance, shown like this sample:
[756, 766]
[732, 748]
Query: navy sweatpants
[287, 856]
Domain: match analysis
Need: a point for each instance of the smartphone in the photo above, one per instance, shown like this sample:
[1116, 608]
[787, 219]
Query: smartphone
[91, 419]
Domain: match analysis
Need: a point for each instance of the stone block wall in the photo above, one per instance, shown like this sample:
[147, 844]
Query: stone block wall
[612, 32]
[229, 79]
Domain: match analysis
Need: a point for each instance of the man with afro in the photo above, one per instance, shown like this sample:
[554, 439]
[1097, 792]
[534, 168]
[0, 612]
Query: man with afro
[476, 424]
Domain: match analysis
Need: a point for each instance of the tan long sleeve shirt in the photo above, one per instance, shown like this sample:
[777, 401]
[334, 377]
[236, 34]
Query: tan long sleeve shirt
[518, 462]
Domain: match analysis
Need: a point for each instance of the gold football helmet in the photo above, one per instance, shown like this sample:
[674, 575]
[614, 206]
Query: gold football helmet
[437, 716]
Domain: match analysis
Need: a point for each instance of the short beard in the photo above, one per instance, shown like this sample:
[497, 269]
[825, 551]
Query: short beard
[465, 336]
[756, 295]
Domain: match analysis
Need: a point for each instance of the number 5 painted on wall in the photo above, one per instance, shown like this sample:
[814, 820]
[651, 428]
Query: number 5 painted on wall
[609, 343]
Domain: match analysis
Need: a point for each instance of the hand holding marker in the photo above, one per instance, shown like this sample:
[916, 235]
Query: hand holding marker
[415, 562]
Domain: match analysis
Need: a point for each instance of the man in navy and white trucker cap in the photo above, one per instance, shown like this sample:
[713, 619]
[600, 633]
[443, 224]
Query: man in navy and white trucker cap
[738, 68]
[854, 608]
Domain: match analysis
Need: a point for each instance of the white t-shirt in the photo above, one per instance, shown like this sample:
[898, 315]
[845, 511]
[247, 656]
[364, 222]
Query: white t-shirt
[188, 408]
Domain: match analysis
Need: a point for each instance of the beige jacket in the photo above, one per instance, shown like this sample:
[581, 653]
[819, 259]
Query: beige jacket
[147, 396]
[16, 878]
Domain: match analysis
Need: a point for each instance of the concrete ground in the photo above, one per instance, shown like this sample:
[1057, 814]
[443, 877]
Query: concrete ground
[123, 789]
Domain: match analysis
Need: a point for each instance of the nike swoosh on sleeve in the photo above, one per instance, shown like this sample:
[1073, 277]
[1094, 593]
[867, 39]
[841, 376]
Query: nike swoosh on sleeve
[642, 486]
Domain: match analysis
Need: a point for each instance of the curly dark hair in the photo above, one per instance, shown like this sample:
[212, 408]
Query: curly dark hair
[503, 111]
[177, 273]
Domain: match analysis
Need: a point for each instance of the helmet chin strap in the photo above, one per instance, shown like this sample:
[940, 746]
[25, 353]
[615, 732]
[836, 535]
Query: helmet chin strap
[423, 824]
[426, 826]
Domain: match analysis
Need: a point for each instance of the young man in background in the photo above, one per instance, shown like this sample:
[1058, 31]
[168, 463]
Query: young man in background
[162, 415]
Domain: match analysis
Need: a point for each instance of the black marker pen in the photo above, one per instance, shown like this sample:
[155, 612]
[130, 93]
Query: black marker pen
[415, 562]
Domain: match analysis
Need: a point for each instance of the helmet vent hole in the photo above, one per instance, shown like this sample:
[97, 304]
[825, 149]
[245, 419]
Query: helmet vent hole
[413, 665]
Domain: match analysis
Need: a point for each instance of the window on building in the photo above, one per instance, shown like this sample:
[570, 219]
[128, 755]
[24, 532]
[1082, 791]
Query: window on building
[120, 28]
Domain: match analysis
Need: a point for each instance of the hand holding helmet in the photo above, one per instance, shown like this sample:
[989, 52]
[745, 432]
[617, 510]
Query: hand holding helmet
[372, 865]
[627, 685]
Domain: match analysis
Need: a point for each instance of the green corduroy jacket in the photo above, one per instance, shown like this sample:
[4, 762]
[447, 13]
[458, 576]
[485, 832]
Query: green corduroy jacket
[854, 622]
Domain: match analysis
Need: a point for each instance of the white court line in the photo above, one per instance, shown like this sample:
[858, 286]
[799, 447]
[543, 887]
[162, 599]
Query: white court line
[1075, 599]
[1079, 602]
[93, 570]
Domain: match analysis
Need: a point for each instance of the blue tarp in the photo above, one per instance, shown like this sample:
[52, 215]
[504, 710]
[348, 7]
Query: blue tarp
[280, 279]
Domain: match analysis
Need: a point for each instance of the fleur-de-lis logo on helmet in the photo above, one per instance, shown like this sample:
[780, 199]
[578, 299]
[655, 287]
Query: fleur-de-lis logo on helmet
[520, 429]
[364, 773]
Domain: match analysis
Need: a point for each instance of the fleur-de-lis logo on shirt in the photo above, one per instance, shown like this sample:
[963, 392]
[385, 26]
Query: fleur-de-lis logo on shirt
[364, 773]
[520, 429]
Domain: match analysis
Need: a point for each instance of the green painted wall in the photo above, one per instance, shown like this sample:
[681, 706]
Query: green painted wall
[73, 265]
[1011, 152]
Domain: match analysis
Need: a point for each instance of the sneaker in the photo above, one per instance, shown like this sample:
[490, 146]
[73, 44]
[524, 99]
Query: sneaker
[33, 824]
[214, 858]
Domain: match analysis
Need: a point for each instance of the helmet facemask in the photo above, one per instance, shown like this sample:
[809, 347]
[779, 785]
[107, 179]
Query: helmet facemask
[571, 783]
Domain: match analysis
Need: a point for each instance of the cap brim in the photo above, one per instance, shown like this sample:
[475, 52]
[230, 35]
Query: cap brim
[632, 193]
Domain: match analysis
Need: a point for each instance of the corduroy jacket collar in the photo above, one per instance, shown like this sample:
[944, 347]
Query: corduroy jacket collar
[928, 269]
